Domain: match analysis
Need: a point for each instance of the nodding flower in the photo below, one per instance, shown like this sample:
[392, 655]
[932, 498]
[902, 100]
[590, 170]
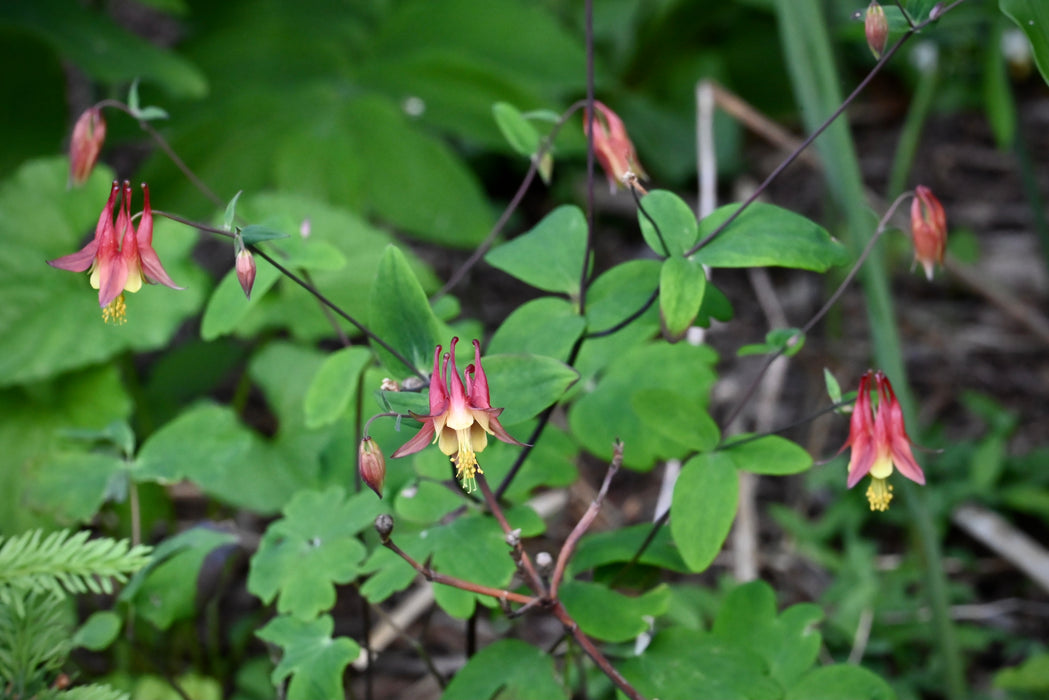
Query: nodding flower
[89, 133]
[461, 415]
[928, 229]
[879, 441]
[613, 148]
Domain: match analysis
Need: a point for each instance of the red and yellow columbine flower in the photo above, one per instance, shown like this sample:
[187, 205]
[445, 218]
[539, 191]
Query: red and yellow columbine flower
[612, 146]
[879, 442]
[928, 229]
[461, 416]
[89, 133]
[119, 258]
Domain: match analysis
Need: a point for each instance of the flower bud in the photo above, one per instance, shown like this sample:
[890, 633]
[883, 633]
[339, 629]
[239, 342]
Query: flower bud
[371, 465]
[89, 133]
[246, 270]
[928, 229]
[613, 148]
[876, 27]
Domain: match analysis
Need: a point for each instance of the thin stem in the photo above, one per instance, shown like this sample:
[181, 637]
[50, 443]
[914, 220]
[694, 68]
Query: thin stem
[594, 653]
[815, 134]
[648, 217]
[302, 283]
[629, 319]
[533, 169]
[513, 538]
[584, 522]
[584, 273]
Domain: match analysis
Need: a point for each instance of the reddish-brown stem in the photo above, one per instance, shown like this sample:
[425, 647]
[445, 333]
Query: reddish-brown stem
[584, 522]
[594, 653]
[520, 556]
[437, 577]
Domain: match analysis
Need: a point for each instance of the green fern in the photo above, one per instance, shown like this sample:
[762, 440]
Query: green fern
[34, 643]
[64, 562]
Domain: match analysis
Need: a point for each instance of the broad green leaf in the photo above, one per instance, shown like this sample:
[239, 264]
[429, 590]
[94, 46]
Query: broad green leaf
[840, 682]
[703, 508]
[607, 412]
[51, 317]
[610, 616]
[525, 385]
[73, 486]
[426, 501]
[257, 233]
[550, 256]
[228, 306]
[544, 326]
[770, 454]
[620, 292]
[402, 317]
[681, 286]
[551, 463]
[615, 546]
[682, 664]
[335, 385]
[168, 590]
[767, 235]
[314, 660]
[1032, 16]
[787, 642]
[520, 133]
[472, 548]
[676, 229]
[94, 43]
[313, 547]
[1031, 676]
[508, 668]
[677, 417]
[98, 631]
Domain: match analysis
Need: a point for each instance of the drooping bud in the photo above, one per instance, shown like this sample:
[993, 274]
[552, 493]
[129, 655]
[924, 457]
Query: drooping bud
[371, 465]
[613, 148]
[89, 133]
[246, 270]
[928, 229]
[876, 27]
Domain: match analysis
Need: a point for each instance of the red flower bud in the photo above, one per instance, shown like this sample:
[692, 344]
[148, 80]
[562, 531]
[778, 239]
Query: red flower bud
[612, 147]
[371, 465]
[876, 27]
[89, 133]
[246, 270]
[928, 229]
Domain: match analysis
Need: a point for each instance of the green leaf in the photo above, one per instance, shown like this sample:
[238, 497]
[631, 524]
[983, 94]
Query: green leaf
[610, 616]
[770, 454]
[520, 133]
[228, 306]
[98, 631]
[525, 385]
[833, 388]
[675, 220]
[840, 682]
[1032, 16]
[314, 660]
[167, 591]
[703, 507]
[545, 326]
[767, 235]
[613, 546]
[682, 664]
[313, 547]
[401, 316]
[51, 317]
[1032, 676]
[257, 233]
[788, 340]
[335, 385]
[681, 286]
[605, 413]
[677, 417]
[231, 212]
[788, 642]
[426, 501]
[73, 486]
[508, 668]
[619, 292]
[549, 256]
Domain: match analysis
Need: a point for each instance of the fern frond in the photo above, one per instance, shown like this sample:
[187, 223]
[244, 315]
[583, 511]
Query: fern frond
[65, 562]
[34, 642]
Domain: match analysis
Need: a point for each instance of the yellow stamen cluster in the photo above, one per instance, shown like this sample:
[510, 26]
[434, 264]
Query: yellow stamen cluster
[465, 460]
[879, 493]
[115, 311]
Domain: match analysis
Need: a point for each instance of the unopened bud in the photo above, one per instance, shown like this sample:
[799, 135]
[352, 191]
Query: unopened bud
[371, 465]
[89, 133]
[928, 229]
[936, 11]
[613, 147]
[384, 526]
[876, 27]
[246, 270]
[544, 563]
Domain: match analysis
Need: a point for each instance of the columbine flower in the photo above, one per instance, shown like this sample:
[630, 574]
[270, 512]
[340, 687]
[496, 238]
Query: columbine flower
[245, 266]
[612, 147]
[371, 465]
[879, 442]
[928, 229]
[89, 133]
[119, 258]
[876, 27]
[461, 416]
